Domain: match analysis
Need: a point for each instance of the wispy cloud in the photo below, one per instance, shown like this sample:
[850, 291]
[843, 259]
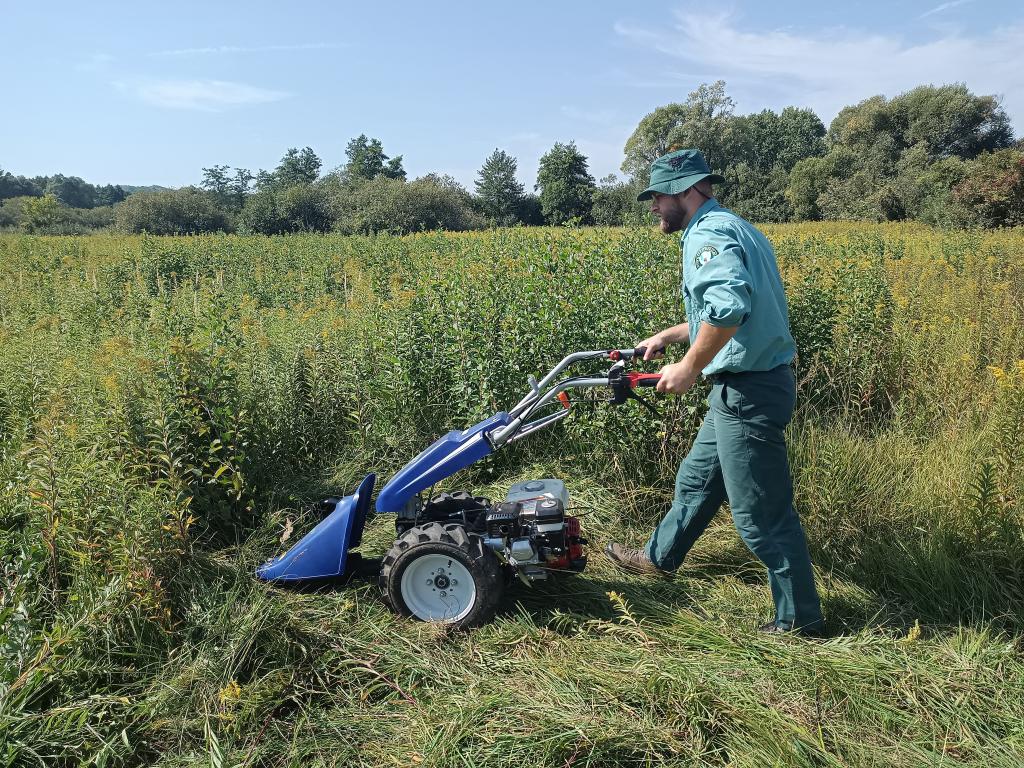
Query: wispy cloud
[943, 7]
[236, 49]
[201, 95]
[829, 69]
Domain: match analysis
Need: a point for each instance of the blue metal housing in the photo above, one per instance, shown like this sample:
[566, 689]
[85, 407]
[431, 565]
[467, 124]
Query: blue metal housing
[322, 552]
[443, 458]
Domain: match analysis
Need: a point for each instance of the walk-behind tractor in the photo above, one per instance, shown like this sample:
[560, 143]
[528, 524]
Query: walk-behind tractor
[455, 552]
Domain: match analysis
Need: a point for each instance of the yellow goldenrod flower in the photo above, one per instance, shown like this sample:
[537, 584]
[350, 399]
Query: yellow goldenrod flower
[230, 693]
[913, 634]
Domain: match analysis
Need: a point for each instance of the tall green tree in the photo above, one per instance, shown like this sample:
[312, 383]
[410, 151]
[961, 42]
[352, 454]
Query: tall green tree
[702, 121]
[810, 177]
[754, 152]
[884, 154]
[366, 160]
[297, 167]
[499, 192]
[71, 191]
[652, 138]
[229, 189]
[109, 194]
[947, 120]
[763, 148]
[239, 186]
[217, 181]
[17, 186]
[565, 185]
[12, 211]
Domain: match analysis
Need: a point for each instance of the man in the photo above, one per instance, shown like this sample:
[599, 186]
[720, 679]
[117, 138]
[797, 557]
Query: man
[737, 326]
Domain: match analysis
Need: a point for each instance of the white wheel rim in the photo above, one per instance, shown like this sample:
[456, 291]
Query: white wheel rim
[438, 588]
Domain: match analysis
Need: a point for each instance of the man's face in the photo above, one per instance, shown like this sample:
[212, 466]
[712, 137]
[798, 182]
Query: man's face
[671, 211]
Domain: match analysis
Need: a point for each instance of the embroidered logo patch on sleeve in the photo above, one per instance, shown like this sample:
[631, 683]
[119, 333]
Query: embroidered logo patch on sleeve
[704, 255]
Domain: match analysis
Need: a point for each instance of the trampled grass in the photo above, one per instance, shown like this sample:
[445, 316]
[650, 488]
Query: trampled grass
[169, 407]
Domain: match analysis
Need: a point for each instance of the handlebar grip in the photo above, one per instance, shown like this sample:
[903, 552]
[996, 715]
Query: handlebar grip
[641, 351]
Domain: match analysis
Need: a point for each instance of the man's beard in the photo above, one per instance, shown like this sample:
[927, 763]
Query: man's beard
[672, 221]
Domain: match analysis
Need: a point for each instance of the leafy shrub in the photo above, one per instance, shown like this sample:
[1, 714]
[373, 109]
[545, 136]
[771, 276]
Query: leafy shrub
[277, 211]
[59, 220]
[171, 212]
[394, 206]
[992, 191]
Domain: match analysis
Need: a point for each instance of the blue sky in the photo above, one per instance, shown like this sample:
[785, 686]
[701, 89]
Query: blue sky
[150, 93]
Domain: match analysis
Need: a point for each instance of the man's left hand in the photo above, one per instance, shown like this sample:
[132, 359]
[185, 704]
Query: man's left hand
[676, 379]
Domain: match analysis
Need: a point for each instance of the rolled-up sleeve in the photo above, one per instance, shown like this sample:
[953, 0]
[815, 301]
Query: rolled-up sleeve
[721, 285]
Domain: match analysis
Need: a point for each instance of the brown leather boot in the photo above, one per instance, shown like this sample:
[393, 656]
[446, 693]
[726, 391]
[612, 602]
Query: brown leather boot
[633, 560]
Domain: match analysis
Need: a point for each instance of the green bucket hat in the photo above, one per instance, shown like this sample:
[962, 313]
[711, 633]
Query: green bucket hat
[678, 171]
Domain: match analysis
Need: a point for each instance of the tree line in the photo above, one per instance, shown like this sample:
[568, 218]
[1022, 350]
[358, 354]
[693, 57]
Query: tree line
[938, 154]
[38, 203]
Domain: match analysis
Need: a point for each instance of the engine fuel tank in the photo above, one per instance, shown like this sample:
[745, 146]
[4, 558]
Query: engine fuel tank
[530, 492]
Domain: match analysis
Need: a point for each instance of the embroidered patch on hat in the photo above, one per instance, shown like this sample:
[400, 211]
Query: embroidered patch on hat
[704, 255]
[676, 162]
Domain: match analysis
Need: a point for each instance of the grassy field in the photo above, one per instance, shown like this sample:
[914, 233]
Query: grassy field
[169, 407]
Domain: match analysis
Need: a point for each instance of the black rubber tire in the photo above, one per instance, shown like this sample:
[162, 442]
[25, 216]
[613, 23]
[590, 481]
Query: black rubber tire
[451, 540]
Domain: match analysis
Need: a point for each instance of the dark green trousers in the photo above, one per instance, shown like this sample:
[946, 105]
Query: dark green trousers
[740, 455]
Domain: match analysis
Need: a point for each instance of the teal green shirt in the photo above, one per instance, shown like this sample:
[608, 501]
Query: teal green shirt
[731, 278]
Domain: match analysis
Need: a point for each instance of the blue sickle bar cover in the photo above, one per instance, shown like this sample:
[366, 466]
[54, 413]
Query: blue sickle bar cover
[443, 458]
[322, 552]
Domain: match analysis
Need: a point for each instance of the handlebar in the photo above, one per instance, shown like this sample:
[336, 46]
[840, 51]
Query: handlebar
[627, 354]
[547, 390]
